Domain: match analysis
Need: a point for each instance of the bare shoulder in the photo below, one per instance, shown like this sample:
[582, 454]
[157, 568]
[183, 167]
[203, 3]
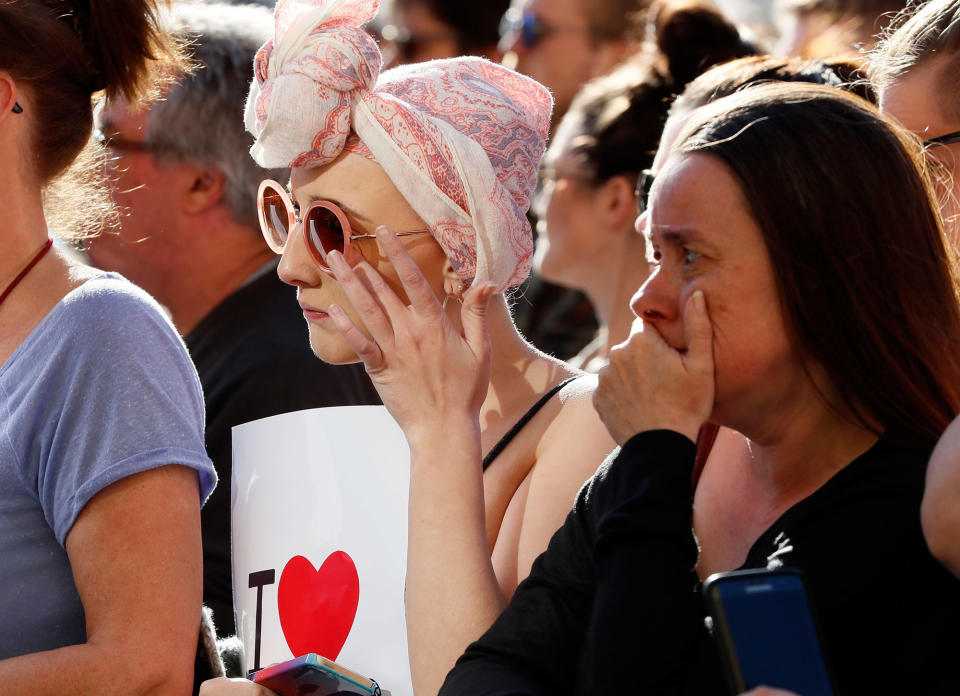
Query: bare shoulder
[940, 510]
[943, 470]
[576, 409]
[580, 390]
[948, 447]
[576, 440]
[569, 451]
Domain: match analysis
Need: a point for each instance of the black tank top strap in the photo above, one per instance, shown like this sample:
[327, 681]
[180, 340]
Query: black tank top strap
[524, 419]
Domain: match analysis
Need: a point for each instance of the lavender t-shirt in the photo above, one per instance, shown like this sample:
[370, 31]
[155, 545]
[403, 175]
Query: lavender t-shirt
[101, 389]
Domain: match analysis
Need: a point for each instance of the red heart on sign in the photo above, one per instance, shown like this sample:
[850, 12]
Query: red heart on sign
[317, 607]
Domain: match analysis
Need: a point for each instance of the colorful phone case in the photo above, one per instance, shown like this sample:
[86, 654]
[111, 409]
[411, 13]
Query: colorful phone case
[316, 676]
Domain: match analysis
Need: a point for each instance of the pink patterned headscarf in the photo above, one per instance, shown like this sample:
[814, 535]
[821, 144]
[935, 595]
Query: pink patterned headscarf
[461, 138]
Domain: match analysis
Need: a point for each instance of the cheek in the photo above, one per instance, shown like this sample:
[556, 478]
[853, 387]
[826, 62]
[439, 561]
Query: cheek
[749, 351]
[569, 235]
[428, 256]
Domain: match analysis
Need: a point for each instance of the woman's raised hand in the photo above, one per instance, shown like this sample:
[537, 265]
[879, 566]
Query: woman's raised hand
[649, 385]
[424, 369]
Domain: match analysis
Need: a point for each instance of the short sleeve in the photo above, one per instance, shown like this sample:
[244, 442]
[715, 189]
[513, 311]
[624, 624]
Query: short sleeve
[121, 397]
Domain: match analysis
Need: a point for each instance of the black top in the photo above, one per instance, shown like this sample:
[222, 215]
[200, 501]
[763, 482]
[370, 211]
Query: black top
[254, 360]
[613, 606]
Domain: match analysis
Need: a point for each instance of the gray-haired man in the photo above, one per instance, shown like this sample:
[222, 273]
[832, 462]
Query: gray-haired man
[186, 186]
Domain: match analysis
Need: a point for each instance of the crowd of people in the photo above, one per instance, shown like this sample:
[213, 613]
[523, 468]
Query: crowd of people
[761, 370]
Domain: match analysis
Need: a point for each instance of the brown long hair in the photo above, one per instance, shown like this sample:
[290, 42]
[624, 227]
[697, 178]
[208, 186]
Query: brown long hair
[62, 52]
[866, 279]
[846, 72]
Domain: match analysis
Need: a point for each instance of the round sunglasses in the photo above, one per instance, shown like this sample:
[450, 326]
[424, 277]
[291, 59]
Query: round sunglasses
[325, 225]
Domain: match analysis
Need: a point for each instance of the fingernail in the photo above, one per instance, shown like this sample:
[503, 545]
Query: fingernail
[385, 232]
[698, 301]
[334, 258]
[334, 311]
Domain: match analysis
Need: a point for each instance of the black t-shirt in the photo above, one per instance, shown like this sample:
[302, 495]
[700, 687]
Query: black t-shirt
[254, 360]
[613, 605]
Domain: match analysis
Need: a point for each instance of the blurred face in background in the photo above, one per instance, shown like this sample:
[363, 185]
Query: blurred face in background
[551, 41]
[145, 248]
[417, 35]
[918, 101]
[568, 241]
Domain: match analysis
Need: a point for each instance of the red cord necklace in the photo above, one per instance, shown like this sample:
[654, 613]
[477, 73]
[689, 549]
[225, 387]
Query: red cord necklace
[20, 276]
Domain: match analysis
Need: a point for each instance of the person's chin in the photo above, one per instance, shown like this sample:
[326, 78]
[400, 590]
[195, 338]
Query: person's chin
[332, 350]
[546, 267]
[540, 252]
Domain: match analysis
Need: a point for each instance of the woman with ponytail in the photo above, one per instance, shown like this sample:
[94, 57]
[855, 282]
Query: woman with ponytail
[587, 205]
[102, 465]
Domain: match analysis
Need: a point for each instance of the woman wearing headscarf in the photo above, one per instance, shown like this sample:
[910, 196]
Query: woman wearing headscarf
[445, 154]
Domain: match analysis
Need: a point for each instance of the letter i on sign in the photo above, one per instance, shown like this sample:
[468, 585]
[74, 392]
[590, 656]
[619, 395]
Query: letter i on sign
[258, 580]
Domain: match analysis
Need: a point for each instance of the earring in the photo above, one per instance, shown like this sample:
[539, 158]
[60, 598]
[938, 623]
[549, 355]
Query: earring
[456, 292]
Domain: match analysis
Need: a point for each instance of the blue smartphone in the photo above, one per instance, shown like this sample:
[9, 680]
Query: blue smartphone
[765, 631]
[314, 675]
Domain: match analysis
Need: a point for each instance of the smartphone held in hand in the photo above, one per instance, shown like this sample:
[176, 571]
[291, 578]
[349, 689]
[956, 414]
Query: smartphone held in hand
[765, 631]
[314, 675]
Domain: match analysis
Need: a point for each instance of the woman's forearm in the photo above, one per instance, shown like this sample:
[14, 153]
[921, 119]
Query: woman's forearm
[103, 670]
[136, 560]
[452, 595]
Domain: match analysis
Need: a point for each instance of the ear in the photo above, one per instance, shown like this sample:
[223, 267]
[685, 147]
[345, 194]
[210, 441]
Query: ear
[202, 188]
[8, 95]
[452, 285]
[618, 203]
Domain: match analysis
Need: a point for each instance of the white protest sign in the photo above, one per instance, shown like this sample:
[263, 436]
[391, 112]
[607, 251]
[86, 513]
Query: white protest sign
[319, 527]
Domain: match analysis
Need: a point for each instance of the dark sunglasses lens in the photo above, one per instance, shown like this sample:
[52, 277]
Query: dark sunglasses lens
[532, 30]
[275, 219]
[324, 231]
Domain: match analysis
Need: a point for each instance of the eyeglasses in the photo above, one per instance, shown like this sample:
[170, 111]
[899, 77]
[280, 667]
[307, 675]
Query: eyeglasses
[948, 139]
[325, 225]
[530, 29]
[642, 191]
[548, 175]
[17, 109]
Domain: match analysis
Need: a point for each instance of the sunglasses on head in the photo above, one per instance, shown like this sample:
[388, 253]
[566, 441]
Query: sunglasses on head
[325, 225]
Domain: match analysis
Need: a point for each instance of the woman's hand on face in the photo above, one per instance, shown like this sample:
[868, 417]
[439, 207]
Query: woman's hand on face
[423, 368]
[648, 385]
[233, 687]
